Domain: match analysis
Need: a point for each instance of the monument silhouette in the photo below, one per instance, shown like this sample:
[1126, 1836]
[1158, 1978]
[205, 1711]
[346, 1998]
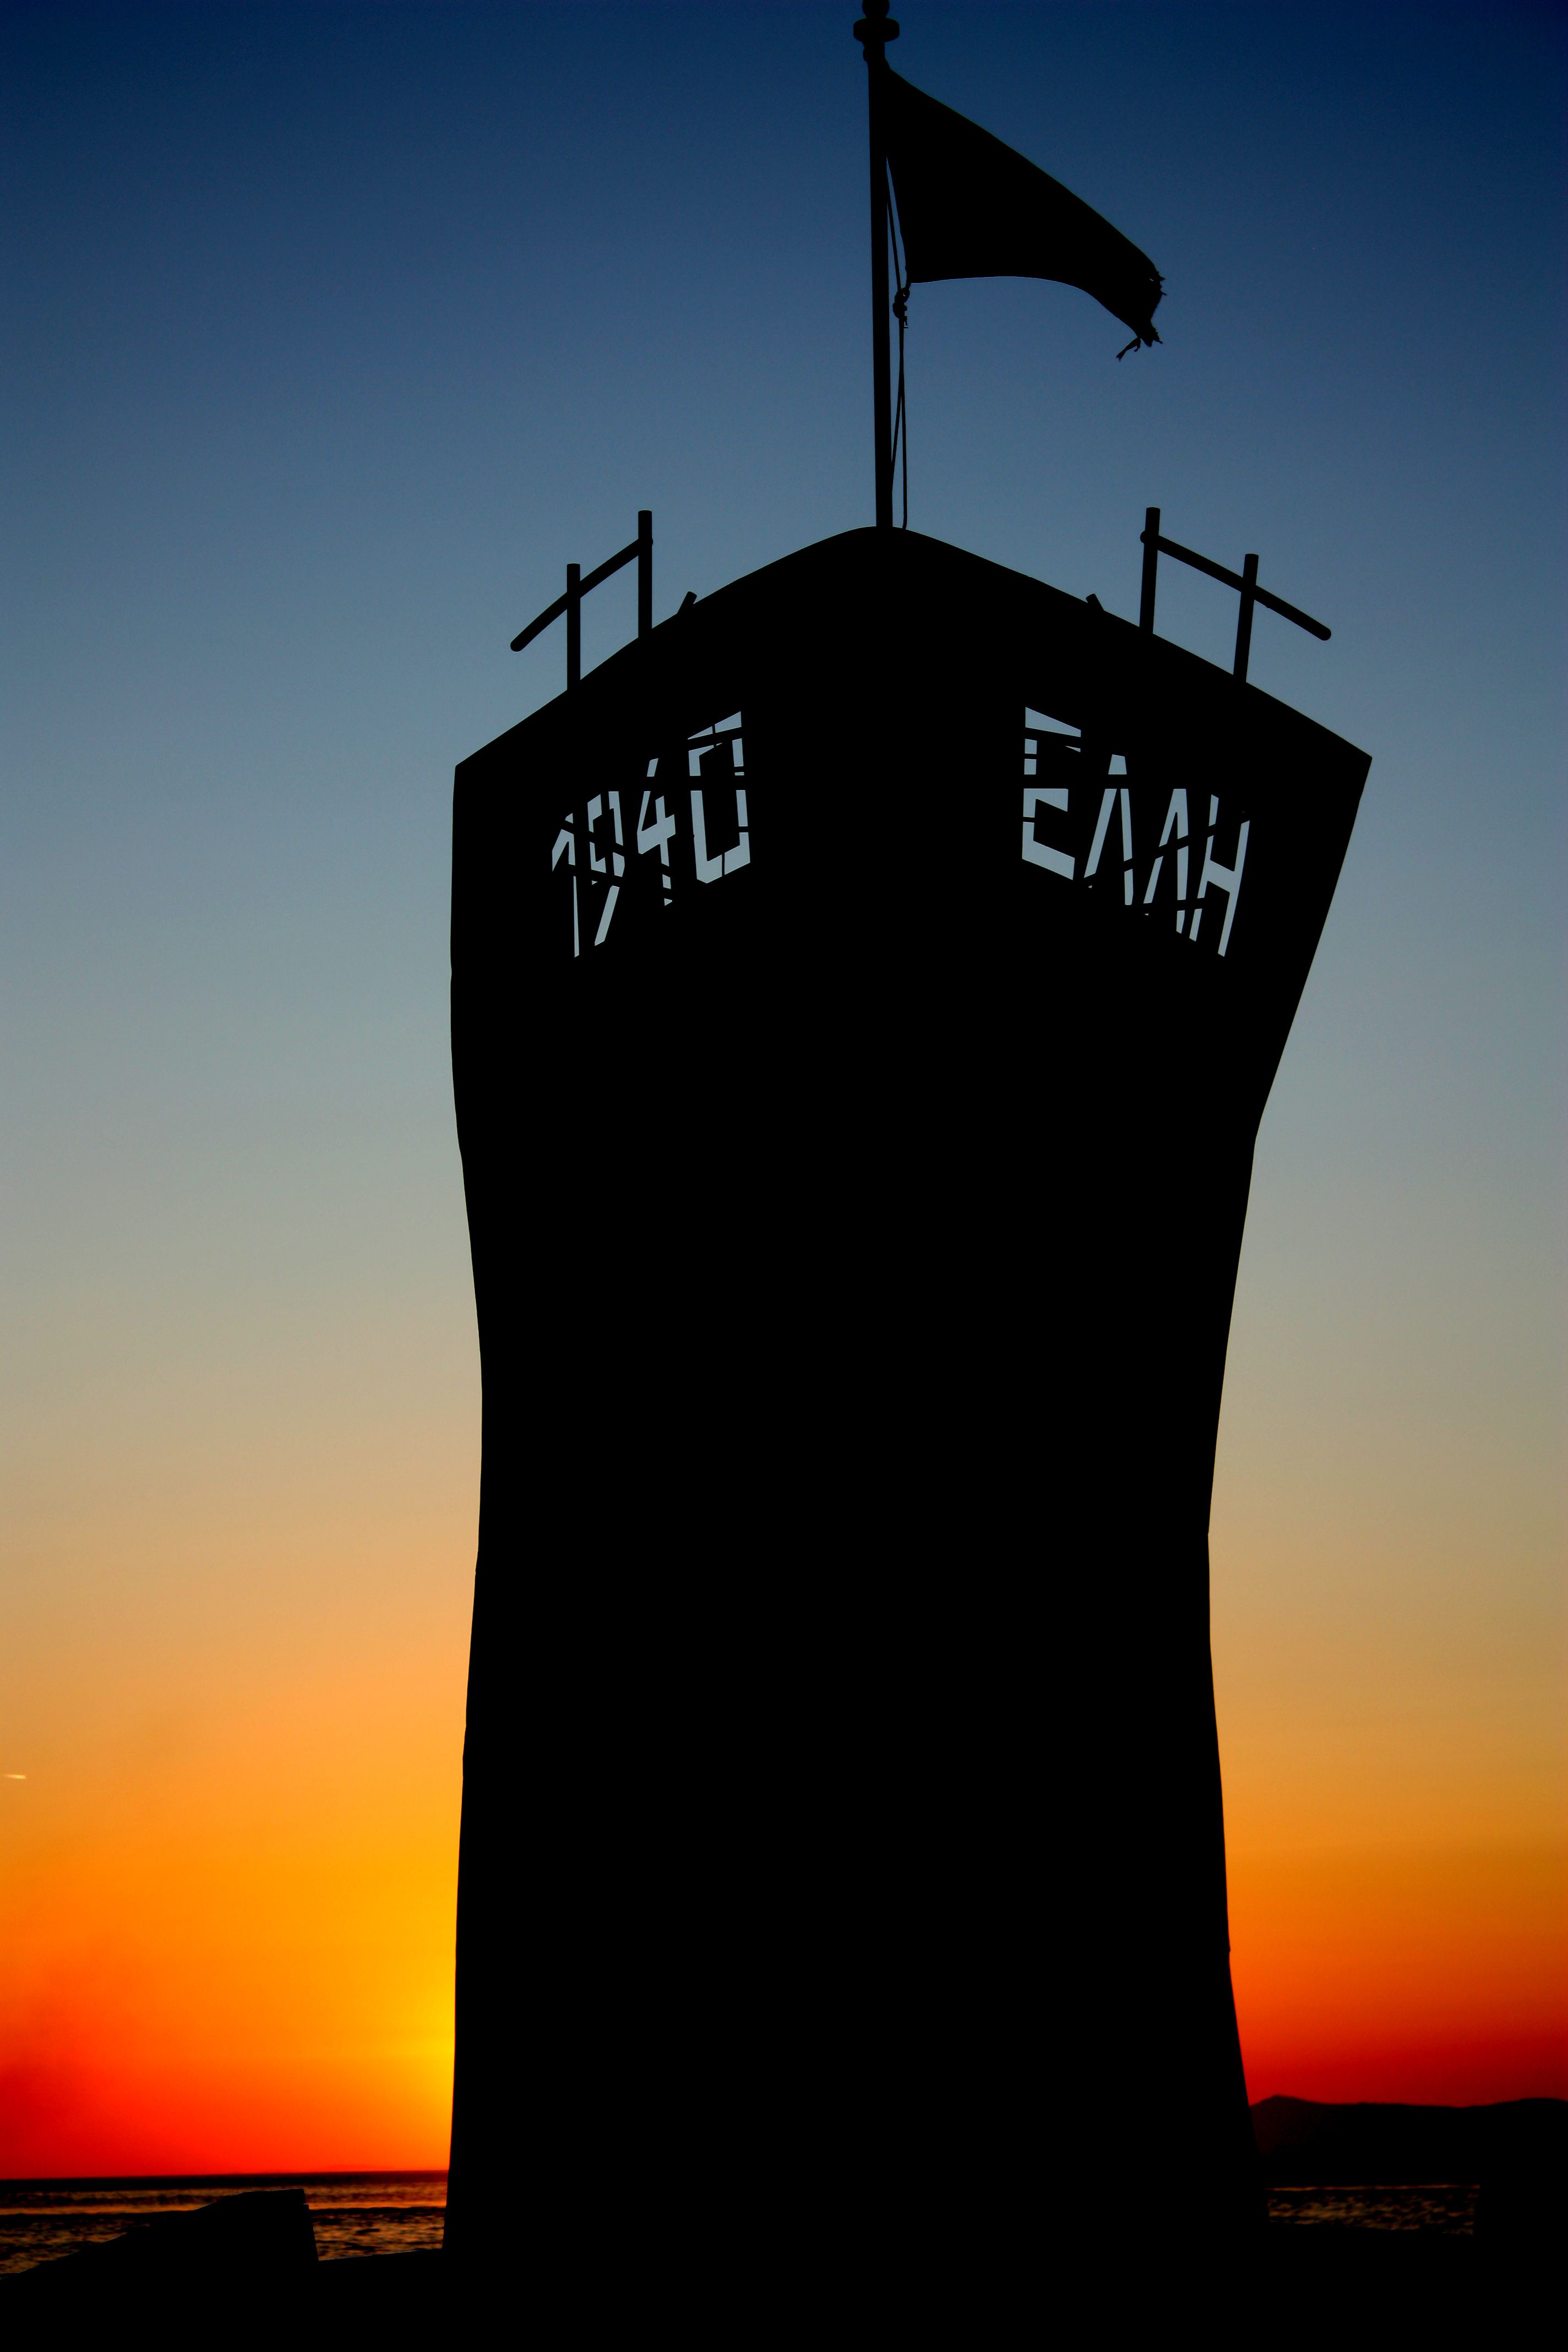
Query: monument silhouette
[866, 985]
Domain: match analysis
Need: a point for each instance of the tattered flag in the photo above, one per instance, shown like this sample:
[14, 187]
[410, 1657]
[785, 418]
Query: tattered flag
[971, 207]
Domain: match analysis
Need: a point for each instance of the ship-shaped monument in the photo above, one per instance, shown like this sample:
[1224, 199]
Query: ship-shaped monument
[866, 985]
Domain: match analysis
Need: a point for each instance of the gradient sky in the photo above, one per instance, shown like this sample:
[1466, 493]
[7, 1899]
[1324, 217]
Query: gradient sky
[333, 332]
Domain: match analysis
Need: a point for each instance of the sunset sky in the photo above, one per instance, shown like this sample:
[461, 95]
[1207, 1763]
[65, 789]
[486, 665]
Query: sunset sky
[332, 332]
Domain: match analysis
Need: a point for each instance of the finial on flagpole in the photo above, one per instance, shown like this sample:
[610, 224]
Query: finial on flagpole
[875, 29]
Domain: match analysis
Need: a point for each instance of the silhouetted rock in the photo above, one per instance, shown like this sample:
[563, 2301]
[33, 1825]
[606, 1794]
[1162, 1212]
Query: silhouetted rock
[252, 2255]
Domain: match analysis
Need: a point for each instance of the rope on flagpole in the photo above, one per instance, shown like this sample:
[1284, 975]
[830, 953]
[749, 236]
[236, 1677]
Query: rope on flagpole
[900, 306]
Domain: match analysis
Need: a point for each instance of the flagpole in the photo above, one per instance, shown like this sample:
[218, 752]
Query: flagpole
[874, 31]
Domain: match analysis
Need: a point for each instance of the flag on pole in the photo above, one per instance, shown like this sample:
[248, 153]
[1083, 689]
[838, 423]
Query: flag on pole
[971, 207]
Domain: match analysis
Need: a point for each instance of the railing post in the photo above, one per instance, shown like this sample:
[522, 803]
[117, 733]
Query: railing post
[1151, 565]
[645, 572]
[573, 626]
[1244, 618]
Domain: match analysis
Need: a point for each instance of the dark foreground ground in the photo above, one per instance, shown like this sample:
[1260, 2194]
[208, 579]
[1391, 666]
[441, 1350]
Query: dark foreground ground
[245, 2272]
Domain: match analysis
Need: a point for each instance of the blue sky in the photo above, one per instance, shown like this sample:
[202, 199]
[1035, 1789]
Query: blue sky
[333, 332]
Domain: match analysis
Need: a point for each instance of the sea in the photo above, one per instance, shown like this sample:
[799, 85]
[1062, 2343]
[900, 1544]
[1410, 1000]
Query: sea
[396, 2212]
[352, 2213]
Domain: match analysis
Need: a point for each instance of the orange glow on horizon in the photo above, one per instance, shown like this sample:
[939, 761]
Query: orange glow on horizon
[194, 2000]
[1387, 1974]
[230, 1892]
[188, 2011]
[231, 1888]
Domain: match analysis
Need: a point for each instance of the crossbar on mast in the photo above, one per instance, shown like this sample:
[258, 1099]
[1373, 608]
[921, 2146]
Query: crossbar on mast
[1244, 581]
[577, 587]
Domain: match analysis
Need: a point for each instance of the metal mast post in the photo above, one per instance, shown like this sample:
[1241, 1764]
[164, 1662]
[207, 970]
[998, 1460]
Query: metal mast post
[874, 29]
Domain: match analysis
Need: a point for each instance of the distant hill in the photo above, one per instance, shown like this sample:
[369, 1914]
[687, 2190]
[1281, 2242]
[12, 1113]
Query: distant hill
[1307, 2144]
